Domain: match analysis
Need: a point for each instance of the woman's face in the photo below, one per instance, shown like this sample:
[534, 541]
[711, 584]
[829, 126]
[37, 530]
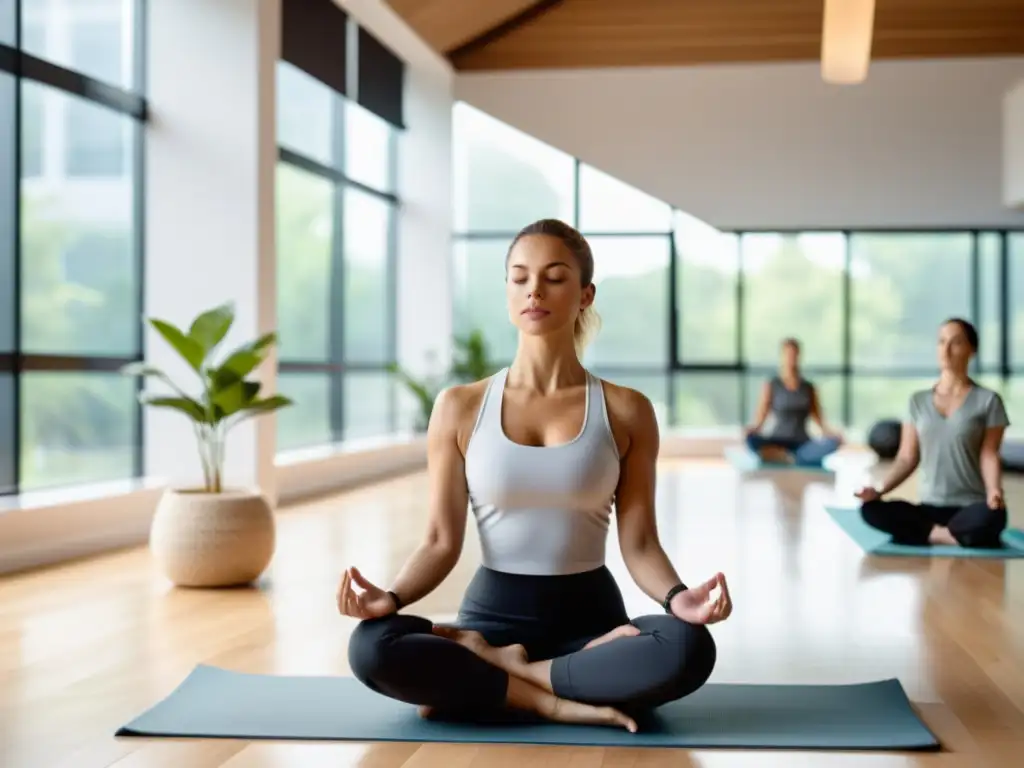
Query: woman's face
[954, 351]
[790, 357]
[542, 287]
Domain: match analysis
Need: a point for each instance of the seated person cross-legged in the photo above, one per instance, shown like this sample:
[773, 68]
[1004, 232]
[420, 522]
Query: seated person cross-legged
[791, 400]
[952, 432]
[541, 452]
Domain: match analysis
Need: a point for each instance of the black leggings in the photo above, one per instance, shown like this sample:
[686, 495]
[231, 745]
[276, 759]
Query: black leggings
[976, 525]
[553, 617]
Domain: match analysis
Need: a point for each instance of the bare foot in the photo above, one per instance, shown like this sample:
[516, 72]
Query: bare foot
[941, 535]
[774, 454]
[626, 630]
[566, 711]
[506, 657]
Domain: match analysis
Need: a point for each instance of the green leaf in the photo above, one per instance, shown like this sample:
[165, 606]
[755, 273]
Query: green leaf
[209, 329]
[263, 342]
[268, 404]
[142, 369]
[239, 365]
[234, 398]
[187, 347]
[185, 405]
[260, 407]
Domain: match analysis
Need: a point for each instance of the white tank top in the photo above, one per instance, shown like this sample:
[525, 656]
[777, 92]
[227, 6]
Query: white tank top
[542, 510]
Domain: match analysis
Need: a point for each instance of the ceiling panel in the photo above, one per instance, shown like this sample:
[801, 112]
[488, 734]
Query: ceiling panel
[515, 34]
[447, 24]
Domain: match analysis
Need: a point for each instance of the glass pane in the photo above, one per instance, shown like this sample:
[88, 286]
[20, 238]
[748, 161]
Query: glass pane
[368, 399]
[305, 114]
[305, 230]
[98, 141]
[1016, 297]
[33, 100]
[479, 295]
[8, 192]
[830, 394]
[610, 205]
[505, 179]
[8, 481]
[903, 286]
[631, 275]
[94, 37]
[990, 291]
[368, 148]
[793, 286]
[308, 422]
[80, 274]
[7, 22]
[874, 398]
[77, 428]
[707, 400]
[368, 296]
[706, 282]
[653, 385]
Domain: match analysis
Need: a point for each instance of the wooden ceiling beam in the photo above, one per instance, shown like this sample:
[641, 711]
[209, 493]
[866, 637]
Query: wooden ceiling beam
[527, 16]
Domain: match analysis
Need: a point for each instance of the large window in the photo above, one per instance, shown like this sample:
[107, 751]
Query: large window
[71, 130]
[336, 210]
[694, 316]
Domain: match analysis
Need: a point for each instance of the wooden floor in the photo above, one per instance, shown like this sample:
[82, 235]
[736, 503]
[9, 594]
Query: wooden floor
[88, 646]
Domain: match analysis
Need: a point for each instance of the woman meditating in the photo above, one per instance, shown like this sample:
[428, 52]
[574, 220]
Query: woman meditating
[953, 432]
[542, 451]
[791, 400]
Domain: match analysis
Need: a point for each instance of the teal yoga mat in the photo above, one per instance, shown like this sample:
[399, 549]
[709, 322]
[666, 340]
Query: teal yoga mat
[875, 542]
[747, 461]
[219, 703]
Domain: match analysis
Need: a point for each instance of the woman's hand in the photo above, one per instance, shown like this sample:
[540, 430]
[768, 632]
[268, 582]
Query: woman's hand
[695, 605]
[995, 498]
[868, 493]
[372, 603]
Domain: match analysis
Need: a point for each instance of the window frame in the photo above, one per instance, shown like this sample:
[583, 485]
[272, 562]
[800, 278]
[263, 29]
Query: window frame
[337, 365]
[743, 368]
[127, 102]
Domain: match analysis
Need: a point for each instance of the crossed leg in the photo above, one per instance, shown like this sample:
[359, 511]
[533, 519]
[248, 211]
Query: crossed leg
[633, 668]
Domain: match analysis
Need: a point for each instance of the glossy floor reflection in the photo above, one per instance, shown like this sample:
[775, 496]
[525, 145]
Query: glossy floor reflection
[85, 647]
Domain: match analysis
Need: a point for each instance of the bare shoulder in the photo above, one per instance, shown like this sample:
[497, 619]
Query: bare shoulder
[632, 416]
[455, 411]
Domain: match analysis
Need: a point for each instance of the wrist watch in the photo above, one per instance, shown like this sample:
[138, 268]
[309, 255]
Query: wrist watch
[397, 600]
[666, 604]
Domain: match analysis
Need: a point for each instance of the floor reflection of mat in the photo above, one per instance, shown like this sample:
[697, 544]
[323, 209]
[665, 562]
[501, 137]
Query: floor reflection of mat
[746, 460]
[219, 703]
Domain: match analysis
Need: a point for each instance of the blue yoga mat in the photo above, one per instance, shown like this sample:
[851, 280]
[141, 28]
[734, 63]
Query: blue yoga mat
[876, 542]
[747, 461]
[219, 703]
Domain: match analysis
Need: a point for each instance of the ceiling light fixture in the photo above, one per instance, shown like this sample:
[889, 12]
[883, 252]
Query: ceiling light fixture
[846, 41]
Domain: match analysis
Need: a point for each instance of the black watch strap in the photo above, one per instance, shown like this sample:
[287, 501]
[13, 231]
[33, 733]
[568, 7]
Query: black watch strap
[666, 604]
[397, 599]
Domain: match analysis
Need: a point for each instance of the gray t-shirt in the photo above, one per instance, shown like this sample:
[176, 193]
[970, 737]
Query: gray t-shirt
[790, 409]
[950, 448]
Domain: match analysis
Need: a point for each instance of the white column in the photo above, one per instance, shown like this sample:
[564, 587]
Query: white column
[211, 152]
[1013, 147]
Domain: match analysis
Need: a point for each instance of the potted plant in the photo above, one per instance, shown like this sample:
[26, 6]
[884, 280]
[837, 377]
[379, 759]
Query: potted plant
[214, 535]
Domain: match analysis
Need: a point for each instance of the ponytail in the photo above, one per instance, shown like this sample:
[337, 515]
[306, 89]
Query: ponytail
[588, 323]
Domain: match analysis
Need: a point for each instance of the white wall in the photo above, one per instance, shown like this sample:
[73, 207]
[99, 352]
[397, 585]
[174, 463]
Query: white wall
[211, 153]
[919, 144]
